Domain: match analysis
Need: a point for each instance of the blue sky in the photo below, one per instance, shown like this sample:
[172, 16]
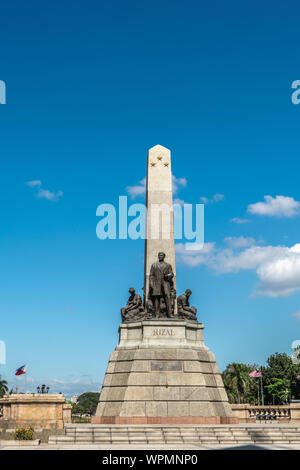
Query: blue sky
[91, 86]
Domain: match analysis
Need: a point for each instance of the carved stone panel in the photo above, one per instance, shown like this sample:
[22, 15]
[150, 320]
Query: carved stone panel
[166, 366]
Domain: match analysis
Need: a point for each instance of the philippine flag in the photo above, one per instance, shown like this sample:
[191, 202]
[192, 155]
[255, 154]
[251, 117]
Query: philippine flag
[21, 370]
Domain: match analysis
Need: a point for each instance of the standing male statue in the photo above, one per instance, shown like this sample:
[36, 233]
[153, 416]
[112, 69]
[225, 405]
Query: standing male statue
[161, 284]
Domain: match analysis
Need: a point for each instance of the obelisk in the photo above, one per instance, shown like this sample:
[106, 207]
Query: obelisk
[159, 222]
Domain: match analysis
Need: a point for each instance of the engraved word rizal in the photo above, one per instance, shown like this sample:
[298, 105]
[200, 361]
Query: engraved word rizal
[163, 332]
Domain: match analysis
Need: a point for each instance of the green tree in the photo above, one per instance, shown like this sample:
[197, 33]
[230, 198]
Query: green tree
[230, 390]
[3, 387]
[281, 366]
[77, 409]
[278, 390]
[237, 382]
[89, 402]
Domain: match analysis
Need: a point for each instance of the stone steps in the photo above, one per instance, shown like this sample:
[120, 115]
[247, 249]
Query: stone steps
[206, 435]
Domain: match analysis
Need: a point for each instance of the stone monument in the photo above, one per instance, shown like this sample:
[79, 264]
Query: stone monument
[161, 372]
[40, 410]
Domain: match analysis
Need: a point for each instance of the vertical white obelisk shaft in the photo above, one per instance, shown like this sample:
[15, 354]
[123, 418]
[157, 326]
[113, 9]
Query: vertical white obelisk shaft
[159, 221]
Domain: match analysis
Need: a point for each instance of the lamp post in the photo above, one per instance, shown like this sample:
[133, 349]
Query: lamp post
[43, 389]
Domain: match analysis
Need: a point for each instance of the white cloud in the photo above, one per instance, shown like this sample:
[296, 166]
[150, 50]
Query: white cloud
[137, 190]
[216, 198]
[297, 315]
[281, 277]
[277, 267]
[227, 260]
[67, 387]
[44, 193]
[178, 201]
[196, 256]
[34, 183]
[239, 242]
[204, 199]
[140, 188]
[280, 206]
[49, 195]
[177, 183]
[237, 220]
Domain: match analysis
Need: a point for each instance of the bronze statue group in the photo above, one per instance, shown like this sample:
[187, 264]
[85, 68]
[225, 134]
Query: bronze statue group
[160, 303]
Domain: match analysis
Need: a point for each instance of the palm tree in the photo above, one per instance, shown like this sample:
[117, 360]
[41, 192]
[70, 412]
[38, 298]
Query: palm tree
[3, 387]
[231, 393]
[236, 380]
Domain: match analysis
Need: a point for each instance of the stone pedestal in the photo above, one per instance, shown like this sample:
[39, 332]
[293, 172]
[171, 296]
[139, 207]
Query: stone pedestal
[162, 373]
[295, 412]
[48, 411]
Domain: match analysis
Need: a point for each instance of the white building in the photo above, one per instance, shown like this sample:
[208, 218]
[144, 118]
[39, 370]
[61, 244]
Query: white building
[74, 398]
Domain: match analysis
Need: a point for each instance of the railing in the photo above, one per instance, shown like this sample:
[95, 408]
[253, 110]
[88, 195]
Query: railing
[269, 413]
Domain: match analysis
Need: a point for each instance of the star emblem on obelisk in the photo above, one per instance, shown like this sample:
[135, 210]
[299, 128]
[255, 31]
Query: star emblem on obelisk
[159, 158]
[152, 164]
[166, 164]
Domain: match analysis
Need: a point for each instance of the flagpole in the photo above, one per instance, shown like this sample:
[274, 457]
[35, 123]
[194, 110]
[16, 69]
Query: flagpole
[262, 392]
[25, 378]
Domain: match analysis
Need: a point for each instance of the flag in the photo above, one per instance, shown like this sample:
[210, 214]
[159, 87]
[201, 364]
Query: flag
[255, 373]
[21, 370]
